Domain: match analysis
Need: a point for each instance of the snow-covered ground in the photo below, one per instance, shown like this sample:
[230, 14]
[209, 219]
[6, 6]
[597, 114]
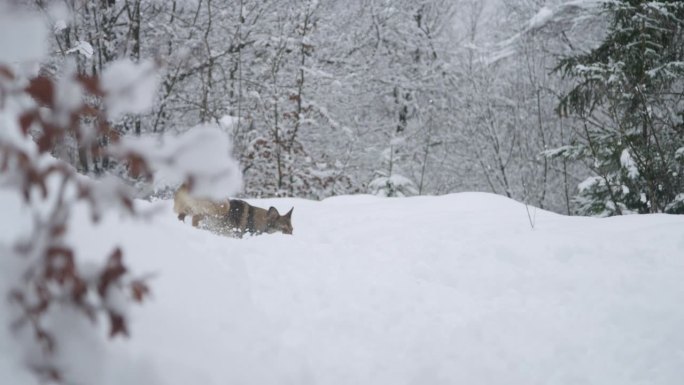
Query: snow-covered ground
[456, 289]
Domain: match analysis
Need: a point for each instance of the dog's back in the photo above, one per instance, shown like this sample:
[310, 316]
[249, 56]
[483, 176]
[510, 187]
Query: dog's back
[244, 218]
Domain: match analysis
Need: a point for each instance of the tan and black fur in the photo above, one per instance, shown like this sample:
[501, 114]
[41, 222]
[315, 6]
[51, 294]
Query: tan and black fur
[244, 218]
[185, 204]
[231, 215]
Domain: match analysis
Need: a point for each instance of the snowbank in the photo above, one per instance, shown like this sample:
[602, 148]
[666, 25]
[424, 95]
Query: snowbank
[455, 289]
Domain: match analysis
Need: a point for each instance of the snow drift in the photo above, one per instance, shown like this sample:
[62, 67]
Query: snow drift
[457, 289]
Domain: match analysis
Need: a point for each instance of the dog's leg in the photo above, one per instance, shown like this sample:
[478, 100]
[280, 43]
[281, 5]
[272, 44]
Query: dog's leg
[196, 219]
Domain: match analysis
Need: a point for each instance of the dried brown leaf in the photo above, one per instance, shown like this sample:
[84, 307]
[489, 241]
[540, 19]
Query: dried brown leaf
[58, 230]
[117, 325]
[46, 340]
[78, 290]
[112, 272]
[140, 290]
[16, 296]
[128, 204]
[6, 72]
[26, 120]
[91, 84]
[42, 89]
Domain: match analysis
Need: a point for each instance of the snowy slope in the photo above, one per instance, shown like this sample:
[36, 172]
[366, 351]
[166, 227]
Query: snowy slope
[455, 289]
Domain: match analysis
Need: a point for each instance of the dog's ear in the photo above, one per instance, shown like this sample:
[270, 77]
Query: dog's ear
[289, 213]
[273, 213]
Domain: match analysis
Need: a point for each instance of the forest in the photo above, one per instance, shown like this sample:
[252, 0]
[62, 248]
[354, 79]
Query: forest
[570, 106]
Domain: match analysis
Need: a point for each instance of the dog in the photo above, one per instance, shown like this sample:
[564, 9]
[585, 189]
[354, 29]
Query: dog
[232, 216]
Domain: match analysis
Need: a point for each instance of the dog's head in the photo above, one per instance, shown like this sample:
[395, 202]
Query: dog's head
[277, 222]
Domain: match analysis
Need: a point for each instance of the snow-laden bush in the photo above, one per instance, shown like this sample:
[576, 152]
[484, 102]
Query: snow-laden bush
[52, 288]
[392, 186]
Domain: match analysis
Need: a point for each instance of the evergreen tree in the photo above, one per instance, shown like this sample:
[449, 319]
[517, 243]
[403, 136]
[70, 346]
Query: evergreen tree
[628, 98]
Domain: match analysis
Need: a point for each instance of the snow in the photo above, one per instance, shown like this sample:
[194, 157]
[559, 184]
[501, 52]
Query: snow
[394, 185]
[203, 153]
[11, 134]
[628, 163]
[229, 122]
[129, 87]
[567, 151]
[679, 154]
[677, 202]
[556, 12]
[23, 37]
[82, 47]
[589, 182]
[69, 98]
[456, 289]
[59, 26]
[540, 18]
